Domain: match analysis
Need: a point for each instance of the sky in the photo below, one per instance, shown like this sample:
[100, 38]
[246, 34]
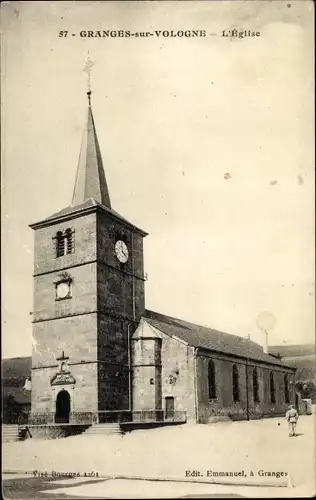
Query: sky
[207, 144]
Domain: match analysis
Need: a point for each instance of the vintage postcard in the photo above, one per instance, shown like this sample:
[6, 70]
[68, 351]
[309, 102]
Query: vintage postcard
[158, 310]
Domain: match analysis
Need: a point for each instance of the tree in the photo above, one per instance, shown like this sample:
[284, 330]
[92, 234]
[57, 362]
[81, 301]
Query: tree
[306, 388]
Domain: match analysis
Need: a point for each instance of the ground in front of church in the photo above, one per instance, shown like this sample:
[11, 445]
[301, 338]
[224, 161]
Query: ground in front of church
[257, 449]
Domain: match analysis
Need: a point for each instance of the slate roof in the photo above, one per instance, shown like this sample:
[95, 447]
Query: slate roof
[90, 203]
[90, 178]
[14, 371]
[207, 338]
[20, 395]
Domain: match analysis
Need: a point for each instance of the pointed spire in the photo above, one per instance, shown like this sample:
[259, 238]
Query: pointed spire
[90, 178]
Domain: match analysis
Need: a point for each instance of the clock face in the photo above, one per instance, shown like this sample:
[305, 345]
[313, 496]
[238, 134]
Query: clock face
[62, 290]
[121, 251]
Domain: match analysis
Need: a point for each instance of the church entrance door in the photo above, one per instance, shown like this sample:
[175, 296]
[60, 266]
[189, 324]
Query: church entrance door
[62, 407]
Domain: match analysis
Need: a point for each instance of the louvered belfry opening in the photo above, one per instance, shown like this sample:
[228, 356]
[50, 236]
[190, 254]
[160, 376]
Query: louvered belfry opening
[64, 242]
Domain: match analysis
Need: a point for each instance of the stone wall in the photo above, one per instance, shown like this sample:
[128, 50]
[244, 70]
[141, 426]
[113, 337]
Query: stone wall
[76, 335]
[177, 377]
[91, 326]
[68, 325]
[82, 300]
[84, 228]
[120, 286]
[120, 296]
[246, 407]
[146, 356]
[113, 387]
[115, 292]
[55, 431]
[109, 231]
[163, 367]
[83, 394]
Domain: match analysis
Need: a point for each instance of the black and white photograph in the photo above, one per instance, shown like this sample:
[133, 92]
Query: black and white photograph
[158, 249]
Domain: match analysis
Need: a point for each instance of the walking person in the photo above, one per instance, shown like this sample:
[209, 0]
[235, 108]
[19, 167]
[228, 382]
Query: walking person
[292, 418]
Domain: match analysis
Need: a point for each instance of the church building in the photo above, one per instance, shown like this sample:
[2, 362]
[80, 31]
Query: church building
[99, 355]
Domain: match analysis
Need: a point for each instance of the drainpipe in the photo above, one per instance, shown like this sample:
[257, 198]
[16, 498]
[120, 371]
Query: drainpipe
[129, 366]
[133, 280]
[195, 385]
[128, 327]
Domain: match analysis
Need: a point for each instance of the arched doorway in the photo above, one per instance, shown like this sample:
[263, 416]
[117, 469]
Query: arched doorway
[62, 407]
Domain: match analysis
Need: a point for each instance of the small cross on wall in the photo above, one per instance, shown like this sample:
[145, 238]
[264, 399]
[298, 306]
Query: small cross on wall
[62, 357]
[63, 362]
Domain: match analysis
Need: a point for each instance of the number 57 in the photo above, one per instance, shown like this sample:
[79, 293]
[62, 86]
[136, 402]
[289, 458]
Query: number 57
[63, 33]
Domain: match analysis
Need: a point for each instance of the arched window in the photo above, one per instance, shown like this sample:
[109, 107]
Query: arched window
[211, 380]
[60, 244]
[272, 388]
[255, 385]
[286, 389]
[235, 383]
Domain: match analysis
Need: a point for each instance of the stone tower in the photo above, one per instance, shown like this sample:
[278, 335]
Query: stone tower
[88, 298]
[147, 366]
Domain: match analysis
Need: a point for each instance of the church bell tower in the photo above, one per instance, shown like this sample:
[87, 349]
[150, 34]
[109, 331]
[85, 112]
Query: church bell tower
[88, 298]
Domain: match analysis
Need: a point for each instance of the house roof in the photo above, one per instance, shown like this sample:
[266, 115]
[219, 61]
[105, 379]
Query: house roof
[208, 338]
[20, 395]
[14, 371]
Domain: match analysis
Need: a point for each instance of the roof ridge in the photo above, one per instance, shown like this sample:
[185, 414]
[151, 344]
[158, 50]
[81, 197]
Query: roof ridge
[210, 339]
[175, 319]
[72, 210]
[200, 326]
